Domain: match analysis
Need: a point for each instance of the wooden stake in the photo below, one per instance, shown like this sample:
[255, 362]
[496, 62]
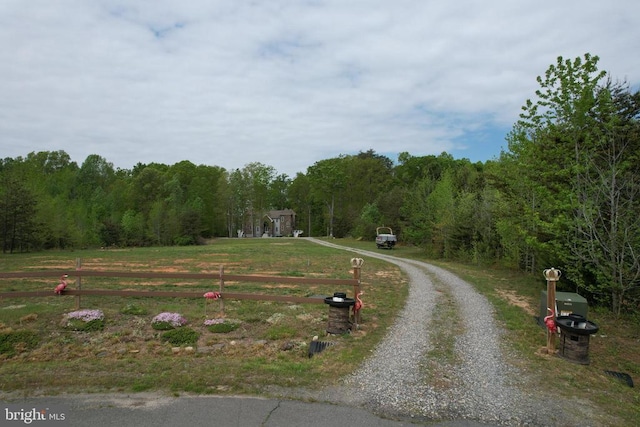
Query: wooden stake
[78, 282]
[221, 300]
[356, 263]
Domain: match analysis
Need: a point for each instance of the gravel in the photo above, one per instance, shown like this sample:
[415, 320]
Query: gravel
[481, 386]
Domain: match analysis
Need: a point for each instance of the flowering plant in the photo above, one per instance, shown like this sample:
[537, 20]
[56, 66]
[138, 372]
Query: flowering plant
[220, 325]
[165, 321]
[209, 322]
[85, 320]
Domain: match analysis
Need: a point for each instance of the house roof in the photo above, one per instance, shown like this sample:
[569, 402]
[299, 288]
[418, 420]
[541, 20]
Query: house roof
[281, 212]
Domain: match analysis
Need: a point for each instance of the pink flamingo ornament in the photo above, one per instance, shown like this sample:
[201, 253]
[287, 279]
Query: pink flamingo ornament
[62, 285]
[210, 295]
[357, 306]
[550, 321]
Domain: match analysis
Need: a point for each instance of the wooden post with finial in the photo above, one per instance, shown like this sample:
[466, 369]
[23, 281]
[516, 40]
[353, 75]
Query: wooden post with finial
[221, 299]
[78, 282]
[356, 263]
[552, 275]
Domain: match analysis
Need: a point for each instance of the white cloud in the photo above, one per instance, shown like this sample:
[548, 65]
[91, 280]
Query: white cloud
[286, 83]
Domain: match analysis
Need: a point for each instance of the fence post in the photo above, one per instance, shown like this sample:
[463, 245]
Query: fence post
[356, 263]
[552, 275]
[78, 282]
[221, 299]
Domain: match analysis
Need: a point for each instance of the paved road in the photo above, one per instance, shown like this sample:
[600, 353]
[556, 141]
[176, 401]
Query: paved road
[148, 410]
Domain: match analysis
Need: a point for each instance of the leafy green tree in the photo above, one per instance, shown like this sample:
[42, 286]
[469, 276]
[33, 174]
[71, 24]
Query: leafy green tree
[369, 220]
[301, 201]
[17, 213]
[486, 244]
[204, 193]
[389, 204]
[157, 224]
[260, 178]
[95, 172]
[278, 197]
[327, 179]
[607, 232]
[412, 169]
[250, 194]
[239, 199]
[440, 205]
[540, 170]
[572, 174]
[133, 228]
[148, 186]
[369, 175]
[418, 229]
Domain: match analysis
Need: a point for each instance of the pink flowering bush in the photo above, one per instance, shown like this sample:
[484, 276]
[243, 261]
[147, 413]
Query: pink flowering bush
[166, 321]
[220, 325]
[84, 320]
[209, 322]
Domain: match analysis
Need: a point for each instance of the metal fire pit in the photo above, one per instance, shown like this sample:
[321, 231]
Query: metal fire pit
[574, 337]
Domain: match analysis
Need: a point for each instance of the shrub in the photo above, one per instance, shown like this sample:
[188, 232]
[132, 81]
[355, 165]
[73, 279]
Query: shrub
[11, 342]
[166, 321]
[221, 326]
[85, 320]
[181, 336]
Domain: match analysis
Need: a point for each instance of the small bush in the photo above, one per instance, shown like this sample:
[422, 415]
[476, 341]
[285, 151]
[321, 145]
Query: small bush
[80, 325]
[221, 326]
[11, 342]
[167, 321]
[184, 241]
[181, 336]
[85, 320]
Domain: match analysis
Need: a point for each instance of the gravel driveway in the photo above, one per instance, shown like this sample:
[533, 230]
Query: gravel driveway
[481, 386]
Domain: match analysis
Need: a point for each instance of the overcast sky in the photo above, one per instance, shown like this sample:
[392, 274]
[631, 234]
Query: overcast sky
[287, 83]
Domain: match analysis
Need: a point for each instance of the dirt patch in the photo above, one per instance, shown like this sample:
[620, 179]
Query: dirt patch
[514, 299]
[385, 274]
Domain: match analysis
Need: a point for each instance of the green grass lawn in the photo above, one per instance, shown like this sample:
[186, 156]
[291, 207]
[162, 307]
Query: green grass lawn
[269, 347]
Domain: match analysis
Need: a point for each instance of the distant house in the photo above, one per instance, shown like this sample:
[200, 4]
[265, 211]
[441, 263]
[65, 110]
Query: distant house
[274, 223]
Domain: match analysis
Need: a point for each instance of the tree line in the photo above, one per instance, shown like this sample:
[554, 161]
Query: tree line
[564, 194]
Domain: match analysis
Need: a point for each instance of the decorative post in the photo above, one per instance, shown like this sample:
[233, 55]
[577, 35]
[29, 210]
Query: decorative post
[78, 281]
[552, 275]
[356, 263]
